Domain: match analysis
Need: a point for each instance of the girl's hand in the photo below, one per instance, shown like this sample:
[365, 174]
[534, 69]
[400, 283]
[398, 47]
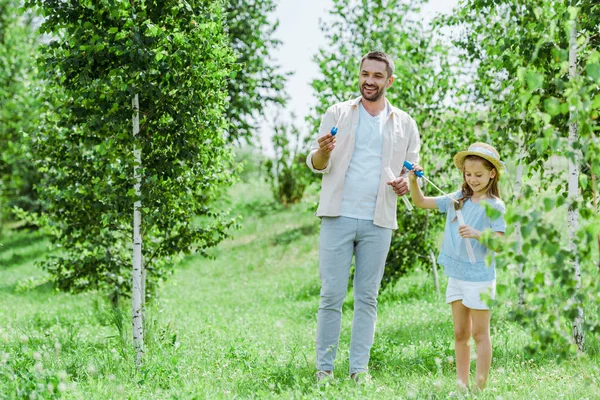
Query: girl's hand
[467, 232]
[412, 176]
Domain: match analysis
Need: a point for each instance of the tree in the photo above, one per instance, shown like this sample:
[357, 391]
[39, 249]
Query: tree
[174, 56]
[537, 78]
[257, 82]
[424, 81]
[19, 108]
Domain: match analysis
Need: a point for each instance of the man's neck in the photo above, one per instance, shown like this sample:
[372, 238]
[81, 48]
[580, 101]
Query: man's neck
[374, 107]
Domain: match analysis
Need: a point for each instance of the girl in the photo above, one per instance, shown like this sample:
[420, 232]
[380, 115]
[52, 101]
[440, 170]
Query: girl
[481, 167]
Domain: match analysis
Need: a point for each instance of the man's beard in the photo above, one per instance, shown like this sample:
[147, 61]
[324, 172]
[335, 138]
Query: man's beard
[374, 97]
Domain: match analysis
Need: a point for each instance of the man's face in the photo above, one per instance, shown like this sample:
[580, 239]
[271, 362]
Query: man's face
[373, 79]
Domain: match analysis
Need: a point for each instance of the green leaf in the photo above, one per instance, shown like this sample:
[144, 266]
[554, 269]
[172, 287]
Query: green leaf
[593, 71]
[539, 278]
[501, 289]
[583, 181]
[549, 204]
[534, 80]
[552, 106]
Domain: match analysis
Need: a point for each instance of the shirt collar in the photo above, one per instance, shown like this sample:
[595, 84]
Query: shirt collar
[390, 107]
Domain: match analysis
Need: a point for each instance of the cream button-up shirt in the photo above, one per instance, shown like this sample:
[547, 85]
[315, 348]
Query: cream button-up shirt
[401, 142]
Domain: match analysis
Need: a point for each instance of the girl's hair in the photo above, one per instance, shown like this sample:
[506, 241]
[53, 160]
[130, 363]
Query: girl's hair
[492, 187]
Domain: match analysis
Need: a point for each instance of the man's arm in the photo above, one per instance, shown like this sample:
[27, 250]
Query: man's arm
[318, 158]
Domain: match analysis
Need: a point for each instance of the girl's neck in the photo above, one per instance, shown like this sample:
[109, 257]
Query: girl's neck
[477, 197]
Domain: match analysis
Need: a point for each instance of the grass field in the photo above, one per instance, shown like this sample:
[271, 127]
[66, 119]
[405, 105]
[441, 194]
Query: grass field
[243, 326]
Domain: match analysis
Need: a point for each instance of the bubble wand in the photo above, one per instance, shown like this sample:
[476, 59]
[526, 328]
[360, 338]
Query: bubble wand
[459, 215]
[334, 130]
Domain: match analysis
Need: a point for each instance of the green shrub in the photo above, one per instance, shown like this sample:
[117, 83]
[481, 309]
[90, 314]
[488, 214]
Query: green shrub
[412, 242]
[287, 173]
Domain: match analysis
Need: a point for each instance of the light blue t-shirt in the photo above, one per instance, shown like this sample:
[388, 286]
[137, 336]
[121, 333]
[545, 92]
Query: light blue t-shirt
[454, 256]
[361, 183]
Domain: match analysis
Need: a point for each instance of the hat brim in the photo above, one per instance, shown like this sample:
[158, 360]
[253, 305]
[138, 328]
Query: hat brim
[459, 160]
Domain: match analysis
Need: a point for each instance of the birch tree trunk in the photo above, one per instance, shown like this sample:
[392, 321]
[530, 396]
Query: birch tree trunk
[573, 185]
[595, 199]
[518, 237]
[436, 280]
[137, 294]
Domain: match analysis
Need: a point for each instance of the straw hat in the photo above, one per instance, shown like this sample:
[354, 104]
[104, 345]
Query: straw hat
[482, 150]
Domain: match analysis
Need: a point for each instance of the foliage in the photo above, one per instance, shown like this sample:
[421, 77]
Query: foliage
[521, 54]
[287, 171]
[176, 57]
[257, 82]
[19, 107]
[423, 82]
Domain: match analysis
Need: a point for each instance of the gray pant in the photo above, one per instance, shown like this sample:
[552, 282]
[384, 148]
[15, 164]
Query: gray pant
[340, 238]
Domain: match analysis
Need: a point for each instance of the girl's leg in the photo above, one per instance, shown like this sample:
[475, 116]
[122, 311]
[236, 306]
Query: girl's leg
[483, 345]
[462, 334]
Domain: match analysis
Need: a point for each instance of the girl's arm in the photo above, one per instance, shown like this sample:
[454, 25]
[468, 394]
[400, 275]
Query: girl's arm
[418, 199]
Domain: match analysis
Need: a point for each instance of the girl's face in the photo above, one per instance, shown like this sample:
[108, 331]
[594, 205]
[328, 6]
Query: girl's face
[478, 176]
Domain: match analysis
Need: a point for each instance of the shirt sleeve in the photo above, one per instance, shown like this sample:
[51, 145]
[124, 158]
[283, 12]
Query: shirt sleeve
[414, 143]
[499, 224]
[443, 202]
[327, 122]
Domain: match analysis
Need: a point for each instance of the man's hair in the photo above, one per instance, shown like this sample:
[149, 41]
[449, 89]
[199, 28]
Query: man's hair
[380, 56]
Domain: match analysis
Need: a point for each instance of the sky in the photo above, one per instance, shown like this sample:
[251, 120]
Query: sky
[301, 39]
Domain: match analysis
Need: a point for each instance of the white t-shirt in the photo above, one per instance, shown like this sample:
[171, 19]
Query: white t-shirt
[364, 172]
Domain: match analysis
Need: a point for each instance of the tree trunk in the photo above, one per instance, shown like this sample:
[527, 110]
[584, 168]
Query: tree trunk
[573, 185]
[518, 237]
[1, 230]
[137, 294]
[436, 280]
[595, 199]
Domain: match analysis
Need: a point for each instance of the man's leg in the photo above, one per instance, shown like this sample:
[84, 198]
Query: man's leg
[336, 246]
[373, 244]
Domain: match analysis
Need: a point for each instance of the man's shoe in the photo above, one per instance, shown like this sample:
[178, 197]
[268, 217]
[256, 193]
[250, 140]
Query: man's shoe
[324, 376]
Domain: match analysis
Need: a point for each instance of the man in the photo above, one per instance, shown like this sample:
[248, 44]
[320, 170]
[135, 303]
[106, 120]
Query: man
[358, 207]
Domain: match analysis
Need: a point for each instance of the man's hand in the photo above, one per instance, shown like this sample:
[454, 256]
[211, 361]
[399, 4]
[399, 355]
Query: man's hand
[467, 232]
[320, 158]
[400, 186]
[326, 144]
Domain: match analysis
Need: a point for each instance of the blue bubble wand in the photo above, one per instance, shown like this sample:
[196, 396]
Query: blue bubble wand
[334, 130]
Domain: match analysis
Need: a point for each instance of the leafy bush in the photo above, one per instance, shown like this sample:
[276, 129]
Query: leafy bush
[287, 172]
[412, 242]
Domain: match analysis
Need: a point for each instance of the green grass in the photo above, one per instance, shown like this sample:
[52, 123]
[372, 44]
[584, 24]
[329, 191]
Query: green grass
[243, 326]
